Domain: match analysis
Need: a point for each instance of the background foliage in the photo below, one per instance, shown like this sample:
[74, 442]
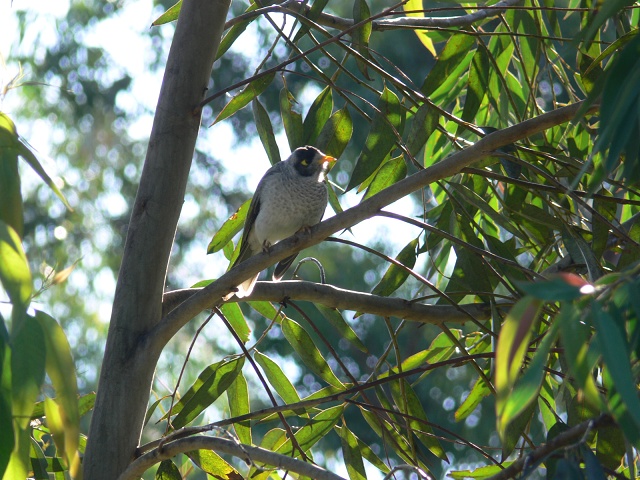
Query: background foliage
[543, 233]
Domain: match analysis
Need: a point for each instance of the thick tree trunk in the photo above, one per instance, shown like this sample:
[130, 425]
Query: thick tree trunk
[129, 363]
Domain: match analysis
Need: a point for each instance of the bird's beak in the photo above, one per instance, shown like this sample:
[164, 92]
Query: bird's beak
[329, 159]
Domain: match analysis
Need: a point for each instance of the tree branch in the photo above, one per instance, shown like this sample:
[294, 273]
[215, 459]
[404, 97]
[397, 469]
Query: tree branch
[451, 165]
[564, 439]
[220, 445]
[333, 21]
[340, 298]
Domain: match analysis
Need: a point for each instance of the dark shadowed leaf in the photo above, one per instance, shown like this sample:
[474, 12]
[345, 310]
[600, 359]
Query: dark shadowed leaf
[381, 138]
[389, 173]
[291, 119]
[395, 276]
[167, 470]
[318, 114]
[234, 32]
[351, 454]
[265, 131]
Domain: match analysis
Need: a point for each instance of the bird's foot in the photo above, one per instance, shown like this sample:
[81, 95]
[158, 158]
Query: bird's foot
[266, 246]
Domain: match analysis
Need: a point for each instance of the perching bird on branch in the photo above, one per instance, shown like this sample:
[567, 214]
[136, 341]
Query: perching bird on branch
[291, 196]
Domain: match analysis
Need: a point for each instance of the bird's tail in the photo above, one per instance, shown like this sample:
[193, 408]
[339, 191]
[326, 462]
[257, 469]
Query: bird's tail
[282, 267]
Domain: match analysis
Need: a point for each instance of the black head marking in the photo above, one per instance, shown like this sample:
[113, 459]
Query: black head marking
[303, 160]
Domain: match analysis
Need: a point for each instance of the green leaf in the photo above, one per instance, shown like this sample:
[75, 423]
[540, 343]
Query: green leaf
[423, 124]
[235, 31]
[167, 470]
[214, 464]
[454, 58]
[526, 389]
[242, 99]
[6, 420]
[512, 347]
[238, 397]
[351, 454]
[313, 431]
[477, 85]
[171, 15]
[610, 446]
[229, 229]
[395, 276]
[10, 196]
[479, 391]
[318, 114]
[61, 370]
[479, 473]
[33, 162]
[360, 35]
[336, 133]
[265, 132]
[277, 378]
[14, 268]
[211, 383]
[382, 137]
[389, 173]
[616, 355]
[335, 318]
[561, 287]
[27, 367]
[236, 318]
[291, 120]
[407, 402]
[305, 347]
[423, 35]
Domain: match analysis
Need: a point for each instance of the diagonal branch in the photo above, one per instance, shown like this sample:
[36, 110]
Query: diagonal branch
[211, 295]
[340, 298]
[222, 445]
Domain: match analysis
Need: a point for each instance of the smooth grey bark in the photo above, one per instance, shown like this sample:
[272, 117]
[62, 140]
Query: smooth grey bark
[128, 366]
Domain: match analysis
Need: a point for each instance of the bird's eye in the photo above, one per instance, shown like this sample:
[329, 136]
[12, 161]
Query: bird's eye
[304, 162]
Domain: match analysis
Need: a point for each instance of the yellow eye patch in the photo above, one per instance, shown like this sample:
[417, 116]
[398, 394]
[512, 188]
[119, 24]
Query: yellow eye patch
[305, 162]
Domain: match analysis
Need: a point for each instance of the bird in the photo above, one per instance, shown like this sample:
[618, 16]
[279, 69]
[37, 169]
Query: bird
[291, 197]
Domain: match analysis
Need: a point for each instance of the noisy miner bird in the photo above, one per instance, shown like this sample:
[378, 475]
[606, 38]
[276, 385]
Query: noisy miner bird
[291, 196]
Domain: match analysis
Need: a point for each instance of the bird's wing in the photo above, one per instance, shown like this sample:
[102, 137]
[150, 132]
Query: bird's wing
[252, 214]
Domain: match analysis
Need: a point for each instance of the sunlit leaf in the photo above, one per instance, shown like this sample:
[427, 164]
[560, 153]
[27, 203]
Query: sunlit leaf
[479, 391]
[423, 35]
[61, 370]
[214, 465]
[513, 343]
[211, 383]
[239, 404]
[336, 133]
[242, 99]
[452, 61]
[14, 269]
[351, 454]
[313, 431]
[389, 173]
[305, 347]
[229, 228]
[277, 378]
[360, 35]
[381, 138]
[6, 420]
[234, 314]
[169, 16]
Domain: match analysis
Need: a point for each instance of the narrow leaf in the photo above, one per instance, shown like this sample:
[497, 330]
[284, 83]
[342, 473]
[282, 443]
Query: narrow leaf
[391, 172]
[291, 120]
[238, 397]
[351, 454]
[242, 99]
[167, 470]
[265, 132]
[335, 318]
[412, 8]
[14, 268]
[211, 383]
[395, 276]
[336, 133]
[236, 318]
[313, 431]
[386, 124]
[229, 229]
[277, 378]
[317, 116]
[169, 16]
[305, 347]
[213, 464]
[234, 32]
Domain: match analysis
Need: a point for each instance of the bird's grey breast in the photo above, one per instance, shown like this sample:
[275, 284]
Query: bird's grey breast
[288, 202]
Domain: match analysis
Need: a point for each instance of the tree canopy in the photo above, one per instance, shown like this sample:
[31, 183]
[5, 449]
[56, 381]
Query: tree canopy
[468, 308]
